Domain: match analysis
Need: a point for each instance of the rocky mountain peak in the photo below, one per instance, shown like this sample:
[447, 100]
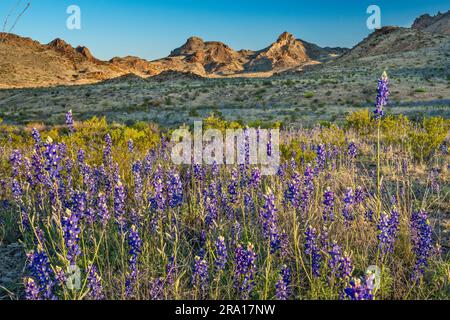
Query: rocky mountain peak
[85, 52]
[286, 37]
[59, 44]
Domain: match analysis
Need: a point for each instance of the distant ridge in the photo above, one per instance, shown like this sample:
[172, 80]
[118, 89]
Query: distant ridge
[439, 23]
[28, 63]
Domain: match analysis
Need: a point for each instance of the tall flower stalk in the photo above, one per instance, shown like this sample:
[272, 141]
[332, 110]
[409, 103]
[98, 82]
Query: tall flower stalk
[381, 102]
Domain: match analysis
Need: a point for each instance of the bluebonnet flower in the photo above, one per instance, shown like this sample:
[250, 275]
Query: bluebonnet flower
[137, 177]
[130, 146]
[269, 145]
[36, 136]
[221, 254]
[174, 190]
[388, 227]
[340, 264]
[81, 157]
[405, 166]
[157, 289]
[158, 201]
[312, 250]
[236, 231]
[348, 202]
[135, 245]
[369, 215]
[171, 270]
[335, 258]
[102, 209]
[69, 121]
[71, 230]
[200, 277]
[293, 163]
[107, 152]
[16, 162]
[41, 271]
[247, 146]
[52, 159]
[324, 238]
[352, 150]
[328, 213]
[248, 202]
[31, 289]
[284, 240]
[283, 291]
[270, 222]
[292, 194]
[359, 290]
[382, 96]
[199, 173]
[345, 266]
[94, 284]
[281, 170]
[16, 190]
[321, 158]
[215, 169]
[255, 178]
[119, 206]
[232, 187]
[148, 162]
[60, 276]
[308, 187]
[360, 195]
[422, 240]
[38, 169]
[245, 270]
[78, 204]
[211, 206]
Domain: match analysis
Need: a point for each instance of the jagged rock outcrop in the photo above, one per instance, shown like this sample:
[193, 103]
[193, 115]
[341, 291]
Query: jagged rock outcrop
[439, 23]
[28, 63]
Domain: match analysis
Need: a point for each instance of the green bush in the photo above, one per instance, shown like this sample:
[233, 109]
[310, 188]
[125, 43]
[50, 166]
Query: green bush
[361, 122]
[428, 137]
[308, 94]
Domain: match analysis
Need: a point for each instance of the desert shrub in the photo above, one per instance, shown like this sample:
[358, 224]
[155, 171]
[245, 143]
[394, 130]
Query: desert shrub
[426, 138]
[308, 94]
[395, 128]
[294, 150]
[214, 122]
[361, 122]
[332, 135]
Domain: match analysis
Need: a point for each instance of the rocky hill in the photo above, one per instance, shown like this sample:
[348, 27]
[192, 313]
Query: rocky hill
[439, 23]
[390, 40]
[27, 63]
[213, 58]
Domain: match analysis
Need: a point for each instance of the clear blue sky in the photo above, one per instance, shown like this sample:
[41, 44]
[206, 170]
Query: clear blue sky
[151, 29]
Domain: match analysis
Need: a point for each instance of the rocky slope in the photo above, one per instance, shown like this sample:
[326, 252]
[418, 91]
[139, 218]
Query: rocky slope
[439, 23]
[27, 63]
[213, 58]
[390, 40]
